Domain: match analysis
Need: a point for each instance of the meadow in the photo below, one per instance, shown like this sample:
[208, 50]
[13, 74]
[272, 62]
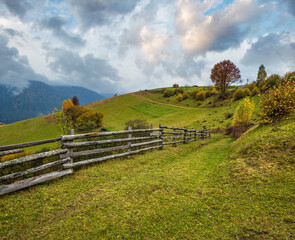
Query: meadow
[219, 188]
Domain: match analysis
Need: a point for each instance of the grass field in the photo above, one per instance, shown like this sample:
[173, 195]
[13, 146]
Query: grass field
[219, 188]
[199, 190]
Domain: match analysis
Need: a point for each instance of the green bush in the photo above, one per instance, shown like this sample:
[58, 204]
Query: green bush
[239, 93]
[168, 93]
[200, 96]
[138, 124]
[254, 91]
[185, 95]
[207, 94]
[227, 93]
[247, 92]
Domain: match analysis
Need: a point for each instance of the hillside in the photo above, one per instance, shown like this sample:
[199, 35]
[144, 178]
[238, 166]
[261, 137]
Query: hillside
[39, 99]
[220, 188]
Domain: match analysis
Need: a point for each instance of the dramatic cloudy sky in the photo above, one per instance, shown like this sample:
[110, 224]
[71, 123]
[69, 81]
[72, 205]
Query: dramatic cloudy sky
[126, 45]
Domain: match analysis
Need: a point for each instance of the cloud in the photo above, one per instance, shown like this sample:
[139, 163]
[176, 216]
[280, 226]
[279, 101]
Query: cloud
[56, 25]
[20, 8]
[223, 29]
[275, 51]
[15, 70]
[88, 71]
[92, 13]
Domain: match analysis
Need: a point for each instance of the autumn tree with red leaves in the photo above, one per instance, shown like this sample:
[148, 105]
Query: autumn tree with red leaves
[224, 74]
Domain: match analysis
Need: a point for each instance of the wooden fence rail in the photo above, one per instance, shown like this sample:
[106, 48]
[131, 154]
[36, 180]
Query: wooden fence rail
[83, 149]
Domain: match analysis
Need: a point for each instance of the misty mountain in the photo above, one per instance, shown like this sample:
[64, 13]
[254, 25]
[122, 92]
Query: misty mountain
[39, 99]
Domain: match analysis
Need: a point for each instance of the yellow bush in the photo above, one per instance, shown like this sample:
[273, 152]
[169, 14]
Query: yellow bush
[278, 102]
[200, 96]
[243, 113]
[66, 105]
[179, 97]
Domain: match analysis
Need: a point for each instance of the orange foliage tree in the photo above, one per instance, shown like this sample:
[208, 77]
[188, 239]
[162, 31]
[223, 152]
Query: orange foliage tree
[223, 74]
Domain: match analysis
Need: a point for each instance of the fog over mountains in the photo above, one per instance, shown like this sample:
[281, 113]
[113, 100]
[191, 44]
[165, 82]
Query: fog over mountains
[39, 99]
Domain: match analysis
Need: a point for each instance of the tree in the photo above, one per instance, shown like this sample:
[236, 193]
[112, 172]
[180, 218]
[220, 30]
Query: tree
[261, 73]
[224, 74]
[76, 101]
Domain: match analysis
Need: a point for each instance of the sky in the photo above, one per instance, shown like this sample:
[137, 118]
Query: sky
[115, 46]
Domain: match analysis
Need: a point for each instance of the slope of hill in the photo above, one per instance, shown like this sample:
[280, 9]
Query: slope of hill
[219, 188]
[39, 99]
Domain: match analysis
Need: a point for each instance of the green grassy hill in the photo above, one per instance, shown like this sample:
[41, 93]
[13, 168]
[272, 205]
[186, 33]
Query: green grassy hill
[219, 188]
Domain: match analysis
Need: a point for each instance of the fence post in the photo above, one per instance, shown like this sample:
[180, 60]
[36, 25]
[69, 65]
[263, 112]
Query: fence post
[202, 134]
[129, 143]
[161, 136]
[151, 134]
[174, 137]
[195, 135]
[185, 132]
[70, 150]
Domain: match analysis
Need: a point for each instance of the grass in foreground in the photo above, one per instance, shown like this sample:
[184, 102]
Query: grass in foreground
[193, 191]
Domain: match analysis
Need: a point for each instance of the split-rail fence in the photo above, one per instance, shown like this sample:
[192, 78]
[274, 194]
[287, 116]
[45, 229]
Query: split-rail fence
[78, 150]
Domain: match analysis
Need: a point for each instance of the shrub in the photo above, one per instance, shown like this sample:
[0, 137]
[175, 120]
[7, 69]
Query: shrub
[194, 92]
[212, 92]
[211, 88]
[178, 90]
[200, 96]
[227, 93]
[243, 113]
[254, 91]
[247, 92]
[88, 121]
[179, 97]
[168, 93]
[207, 94]
[236, 131]
[175, 85]
[185, 95]
[138, 124]
[239, 93]
[278, 102]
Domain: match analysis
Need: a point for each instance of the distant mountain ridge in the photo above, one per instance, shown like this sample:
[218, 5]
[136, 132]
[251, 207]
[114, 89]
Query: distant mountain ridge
[39, 99]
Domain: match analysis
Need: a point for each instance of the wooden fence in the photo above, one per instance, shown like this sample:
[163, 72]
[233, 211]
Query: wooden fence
[78, 150]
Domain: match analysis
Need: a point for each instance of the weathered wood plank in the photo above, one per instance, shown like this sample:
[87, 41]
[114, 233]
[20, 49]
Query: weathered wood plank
[33, 170]
[145, 143]
[32, 157]
[4, 189]
[174, 133]
[8, 152]
[96, 160]
[29, 144]
[100, 134]
[94, 151]
[91, 143]
[172, 137]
